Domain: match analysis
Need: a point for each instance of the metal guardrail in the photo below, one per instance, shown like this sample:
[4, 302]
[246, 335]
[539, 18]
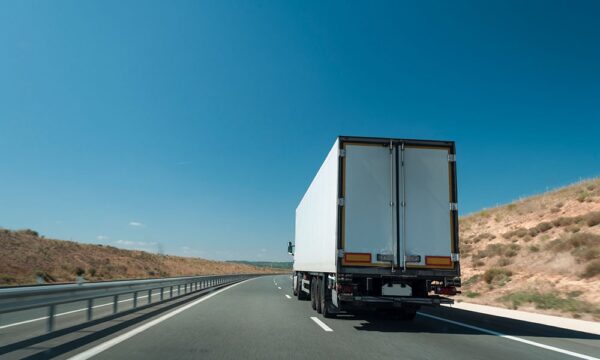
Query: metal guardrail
[26, 298]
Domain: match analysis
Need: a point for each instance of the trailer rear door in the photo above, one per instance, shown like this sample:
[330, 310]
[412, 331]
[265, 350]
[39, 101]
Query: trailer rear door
[369, 220]
[427, 220]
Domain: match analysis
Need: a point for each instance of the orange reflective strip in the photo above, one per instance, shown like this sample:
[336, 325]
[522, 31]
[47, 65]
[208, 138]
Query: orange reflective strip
[438, 260]
[357, 257]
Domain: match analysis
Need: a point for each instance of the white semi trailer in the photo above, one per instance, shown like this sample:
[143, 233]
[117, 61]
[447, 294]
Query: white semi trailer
[378, 228]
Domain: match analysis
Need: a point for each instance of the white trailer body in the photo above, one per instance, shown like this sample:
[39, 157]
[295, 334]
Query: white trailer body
[384, 213]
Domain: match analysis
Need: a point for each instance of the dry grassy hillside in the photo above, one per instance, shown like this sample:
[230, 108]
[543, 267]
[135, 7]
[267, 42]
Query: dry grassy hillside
[24, 255]
[539, 254]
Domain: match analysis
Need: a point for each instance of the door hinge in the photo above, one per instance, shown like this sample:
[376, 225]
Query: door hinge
[455, 257]
[453, 206]
[342, 152]
[341, 202]
[451, 157]
[340, 253]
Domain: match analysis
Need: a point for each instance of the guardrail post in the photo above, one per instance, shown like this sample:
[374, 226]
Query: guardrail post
[161, 294]
[51, 312]
[150, 296]
[135, 296]
[171, 292]
[115, 304]
[90, 307]
[178, 290]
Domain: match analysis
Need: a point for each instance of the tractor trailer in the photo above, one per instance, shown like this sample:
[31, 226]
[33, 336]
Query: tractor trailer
[377, 228]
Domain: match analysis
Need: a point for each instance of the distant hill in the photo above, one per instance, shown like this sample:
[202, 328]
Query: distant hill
[25, 254]
[539, 254]
[285, 265]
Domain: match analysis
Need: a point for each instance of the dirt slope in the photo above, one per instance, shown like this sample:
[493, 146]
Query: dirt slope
[539, 254]
[24, 255]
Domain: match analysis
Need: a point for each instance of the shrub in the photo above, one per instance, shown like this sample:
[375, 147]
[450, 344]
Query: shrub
[497, 275]
[559, 204]
[583, 246]
[593, 218]
[472, 294]
[465, 250]
[484, 236]
[582, 196]
[79, 271]
[92, 272]
[511, 206]
[562, 221]
[504, 262]
[28, 232]
[520, 232]
[592, 269]
[534, 248]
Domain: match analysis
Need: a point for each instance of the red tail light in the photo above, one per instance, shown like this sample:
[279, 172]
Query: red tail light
[344, 289]
[447, 290]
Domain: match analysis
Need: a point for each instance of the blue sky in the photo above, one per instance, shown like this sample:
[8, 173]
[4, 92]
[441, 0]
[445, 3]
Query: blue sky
[198, 125]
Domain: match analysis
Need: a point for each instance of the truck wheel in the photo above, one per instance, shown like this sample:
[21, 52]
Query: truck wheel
[325, 307]
[318, 294]
[313, 294]
[295, 288]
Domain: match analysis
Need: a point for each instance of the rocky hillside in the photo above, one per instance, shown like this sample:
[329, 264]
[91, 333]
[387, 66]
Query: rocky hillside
[539, 254]
[26, 255]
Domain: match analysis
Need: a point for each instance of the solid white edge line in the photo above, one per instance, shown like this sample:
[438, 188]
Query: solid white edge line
[510, 337]
[321, 324]
[287, 296]
[114, 341]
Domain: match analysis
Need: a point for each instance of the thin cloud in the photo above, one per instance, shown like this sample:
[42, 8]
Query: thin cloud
[102, 237]
[136, 224]
[133, 243]
[136, 245]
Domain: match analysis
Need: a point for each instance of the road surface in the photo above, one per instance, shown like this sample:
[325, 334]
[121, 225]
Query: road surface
[261, 319]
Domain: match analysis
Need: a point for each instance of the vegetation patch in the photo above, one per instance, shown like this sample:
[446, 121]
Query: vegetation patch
[583, 246]
[549, 301]
[520, 232]
[484, 236]
[472, 280]
[504, 262]
[540, 228]
[593, 218]
[497, 276]
[472, 294]
[592, 269]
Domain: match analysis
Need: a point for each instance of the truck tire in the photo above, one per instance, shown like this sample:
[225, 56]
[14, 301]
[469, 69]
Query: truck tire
[318, 296]
[313, 291]
[296, 288]
[325, 304]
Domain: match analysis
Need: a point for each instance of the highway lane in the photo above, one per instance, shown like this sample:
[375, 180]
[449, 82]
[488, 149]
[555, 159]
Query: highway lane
[255, 319]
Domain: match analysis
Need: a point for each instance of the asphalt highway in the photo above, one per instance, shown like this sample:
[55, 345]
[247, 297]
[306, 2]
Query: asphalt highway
[261, 319]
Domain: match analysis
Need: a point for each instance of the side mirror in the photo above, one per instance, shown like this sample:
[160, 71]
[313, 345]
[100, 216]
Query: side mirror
[290, 248]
